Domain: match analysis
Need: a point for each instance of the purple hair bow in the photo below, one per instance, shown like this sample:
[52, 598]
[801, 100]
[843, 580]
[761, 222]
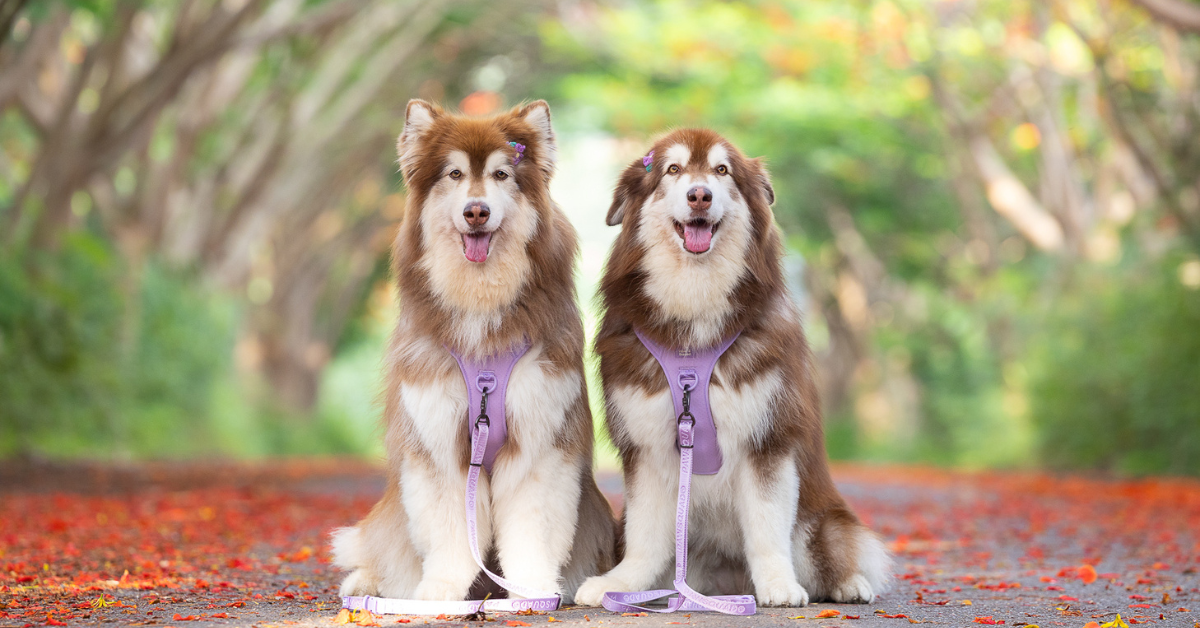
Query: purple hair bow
[648, 161]
[520, 148]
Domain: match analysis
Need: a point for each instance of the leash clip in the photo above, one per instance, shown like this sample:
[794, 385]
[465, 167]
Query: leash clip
[686, 415]
[483, 417]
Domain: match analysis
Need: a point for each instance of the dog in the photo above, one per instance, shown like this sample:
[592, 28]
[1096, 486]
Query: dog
[697, 260]
[484, 260]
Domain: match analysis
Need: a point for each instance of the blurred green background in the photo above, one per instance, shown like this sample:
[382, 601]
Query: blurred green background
[992, 208]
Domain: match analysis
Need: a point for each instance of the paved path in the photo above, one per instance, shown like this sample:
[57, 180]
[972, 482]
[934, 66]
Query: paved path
[220, 545]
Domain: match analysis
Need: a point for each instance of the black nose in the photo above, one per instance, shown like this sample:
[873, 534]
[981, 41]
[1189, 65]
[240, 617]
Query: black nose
[699, 198]
[477, 213]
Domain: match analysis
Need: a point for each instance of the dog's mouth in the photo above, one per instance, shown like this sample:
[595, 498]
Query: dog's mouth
[697, 234]
[476, 245]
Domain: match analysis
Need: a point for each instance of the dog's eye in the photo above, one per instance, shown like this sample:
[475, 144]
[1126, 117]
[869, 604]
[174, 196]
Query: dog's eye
[721, 169]
[456, 174]
[500, 175]
[673, 169]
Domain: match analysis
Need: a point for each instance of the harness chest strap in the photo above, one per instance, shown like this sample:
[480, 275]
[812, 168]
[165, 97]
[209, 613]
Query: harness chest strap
[486, 382]
[688, 374]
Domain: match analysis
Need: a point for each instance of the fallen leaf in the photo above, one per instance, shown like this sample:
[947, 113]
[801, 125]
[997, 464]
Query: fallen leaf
[829, 612]
[1087, 574]
[797, 617]
[988, 620]
[1116, 623]
[513, 623]
[343, 617]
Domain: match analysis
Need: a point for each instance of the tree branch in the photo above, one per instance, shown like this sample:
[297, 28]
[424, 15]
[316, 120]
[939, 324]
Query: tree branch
[1181, 15]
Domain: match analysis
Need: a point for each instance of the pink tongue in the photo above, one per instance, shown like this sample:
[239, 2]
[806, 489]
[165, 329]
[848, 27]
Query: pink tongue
[697, 239]
[476, 246]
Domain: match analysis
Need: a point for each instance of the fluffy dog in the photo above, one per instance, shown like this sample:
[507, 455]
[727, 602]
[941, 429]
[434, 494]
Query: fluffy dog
[697, 259]
[484, 260]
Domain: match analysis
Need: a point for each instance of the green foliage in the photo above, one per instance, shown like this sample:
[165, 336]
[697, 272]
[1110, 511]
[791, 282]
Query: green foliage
[1118, 372]
[97, 359]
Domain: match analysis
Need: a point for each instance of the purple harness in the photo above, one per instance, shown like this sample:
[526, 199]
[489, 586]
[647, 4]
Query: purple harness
[487, 381]
[688, 373]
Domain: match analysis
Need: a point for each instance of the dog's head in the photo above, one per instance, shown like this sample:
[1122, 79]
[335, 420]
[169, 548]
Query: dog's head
[477, 181]
[479, 214]
[697, 232]
[692, 183]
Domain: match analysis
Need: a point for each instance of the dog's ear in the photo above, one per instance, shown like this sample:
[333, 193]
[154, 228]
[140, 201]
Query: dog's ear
[763, 179]
[418, 118]
[537, 115]
[630, 188]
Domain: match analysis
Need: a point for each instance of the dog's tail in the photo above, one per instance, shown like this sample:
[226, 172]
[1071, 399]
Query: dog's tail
[347, 548]
[874, 561]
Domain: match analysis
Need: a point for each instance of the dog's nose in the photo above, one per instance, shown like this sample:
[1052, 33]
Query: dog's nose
[699, 198]
[477, 213]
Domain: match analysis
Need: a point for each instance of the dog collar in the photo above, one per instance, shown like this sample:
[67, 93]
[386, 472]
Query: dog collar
[689, 371]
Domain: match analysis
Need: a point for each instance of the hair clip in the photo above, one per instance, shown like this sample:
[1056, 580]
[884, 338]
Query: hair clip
[520, 148]
[648, 161]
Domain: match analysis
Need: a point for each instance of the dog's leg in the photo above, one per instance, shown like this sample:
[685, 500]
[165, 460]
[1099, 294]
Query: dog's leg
[436, 507]
[767, 513]
[535, 511]
[650, 495]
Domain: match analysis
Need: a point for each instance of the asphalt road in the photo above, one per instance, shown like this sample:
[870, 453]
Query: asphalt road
[1015, 549]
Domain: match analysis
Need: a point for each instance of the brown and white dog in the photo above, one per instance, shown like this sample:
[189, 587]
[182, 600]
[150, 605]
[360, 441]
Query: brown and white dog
[484, 260]
[697, 259]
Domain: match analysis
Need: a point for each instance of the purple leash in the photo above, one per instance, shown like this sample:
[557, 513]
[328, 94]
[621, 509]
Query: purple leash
[486, 382]
[688, 372]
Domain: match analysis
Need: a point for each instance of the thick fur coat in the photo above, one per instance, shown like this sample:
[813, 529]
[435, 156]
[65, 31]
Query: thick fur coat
[484, 260]
[697, 259]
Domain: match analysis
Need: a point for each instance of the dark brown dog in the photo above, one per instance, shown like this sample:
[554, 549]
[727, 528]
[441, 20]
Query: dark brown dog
[698, 259]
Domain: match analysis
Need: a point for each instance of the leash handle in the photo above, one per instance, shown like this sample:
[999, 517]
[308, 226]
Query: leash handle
[688, 599]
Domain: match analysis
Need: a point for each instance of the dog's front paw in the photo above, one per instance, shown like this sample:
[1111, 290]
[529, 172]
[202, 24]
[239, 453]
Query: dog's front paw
[592, 591]
[855, 590]
[359, 582]
[781, 592]
[440, 590]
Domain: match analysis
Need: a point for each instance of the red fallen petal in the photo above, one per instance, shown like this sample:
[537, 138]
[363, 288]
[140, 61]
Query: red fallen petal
[1067, 598]
[513, 622]
[1087, 574]
[896, 616]
[220, 615]
[851, 617]
[1141, 606]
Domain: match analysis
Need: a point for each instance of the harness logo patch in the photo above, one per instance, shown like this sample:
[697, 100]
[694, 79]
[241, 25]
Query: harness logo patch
[684, 353]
